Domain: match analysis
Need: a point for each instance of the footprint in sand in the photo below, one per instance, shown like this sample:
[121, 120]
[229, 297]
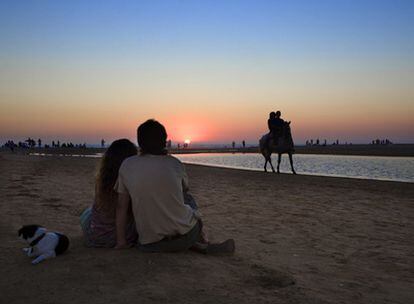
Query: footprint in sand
[27, 194]
[53, 199]
[269, 278]
[267, 242]
[15, 187]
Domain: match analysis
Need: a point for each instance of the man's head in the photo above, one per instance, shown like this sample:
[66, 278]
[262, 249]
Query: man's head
[278, 114]
[152, 137]
[272, 115]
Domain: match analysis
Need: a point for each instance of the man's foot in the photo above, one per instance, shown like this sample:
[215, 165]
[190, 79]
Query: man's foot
[225, 247]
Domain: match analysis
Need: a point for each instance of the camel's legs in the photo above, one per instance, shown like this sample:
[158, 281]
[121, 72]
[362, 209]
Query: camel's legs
[291, 163]
[270, 162]
[268, 159]
[279, 158]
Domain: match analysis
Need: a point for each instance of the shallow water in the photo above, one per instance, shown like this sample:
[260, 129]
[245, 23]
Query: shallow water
[366, 167]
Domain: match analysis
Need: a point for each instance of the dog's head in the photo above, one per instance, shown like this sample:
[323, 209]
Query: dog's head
[27, 232]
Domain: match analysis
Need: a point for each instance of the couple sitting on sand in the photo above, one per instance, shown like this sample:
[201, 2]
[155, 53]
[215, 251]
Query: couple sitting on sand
[142, 199]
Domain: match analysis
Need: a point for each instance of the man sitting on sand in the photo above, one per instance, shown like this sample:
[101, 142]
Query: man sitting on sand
[153, 182]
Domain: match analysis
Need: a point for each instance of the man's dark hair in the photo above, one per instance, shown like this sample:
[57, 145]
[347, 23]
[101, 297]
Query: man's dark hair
[152, 138]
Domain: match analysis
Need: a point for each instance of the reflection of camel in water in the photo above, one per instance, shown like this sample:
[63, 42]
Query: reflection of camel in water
[284, 145]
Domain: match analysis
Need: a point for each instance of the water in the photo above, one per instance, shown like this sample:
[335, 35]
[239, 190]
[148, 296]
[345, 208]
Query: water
[366, 167]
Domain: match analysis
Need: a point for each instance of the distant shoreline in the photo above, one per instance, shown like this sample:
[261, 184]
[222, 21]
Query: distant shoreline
[394, 150]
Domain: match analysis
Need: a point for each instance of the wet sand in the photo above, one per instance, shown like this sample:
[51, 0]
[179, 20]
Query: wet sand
[339, 240]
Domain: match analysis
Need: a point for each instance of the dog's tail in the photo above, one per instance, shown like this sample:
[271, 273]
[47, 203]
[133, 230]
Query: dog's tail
[62, 245]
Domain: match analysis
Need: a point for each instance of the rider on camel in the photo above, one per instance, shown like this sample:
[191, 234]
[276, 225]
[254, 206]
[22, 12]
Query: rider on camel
[275, 124]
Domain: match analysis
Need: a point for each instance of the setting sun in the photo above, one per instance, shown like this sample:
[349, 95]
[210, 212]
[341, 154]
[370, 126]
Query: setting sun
[187, 141]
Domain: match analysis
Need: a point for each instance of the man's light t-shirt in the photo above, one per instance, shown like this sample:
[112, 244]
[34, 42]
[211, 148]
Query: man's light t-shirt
[155, 184]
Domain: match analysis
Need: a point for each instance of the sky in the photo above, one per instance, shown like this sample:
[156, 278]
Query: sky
[210, 71]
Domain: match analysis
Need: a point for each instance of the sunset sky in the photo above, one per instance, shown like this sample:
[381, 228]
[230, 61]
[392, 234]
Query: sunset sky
[211, 71]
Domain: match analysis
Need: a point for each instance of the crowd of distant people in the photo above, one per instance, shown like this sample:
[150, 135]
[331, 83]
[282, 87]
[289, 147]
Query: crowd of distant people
[31, 143]
[381, 142]
[185, 145]
[317, 142]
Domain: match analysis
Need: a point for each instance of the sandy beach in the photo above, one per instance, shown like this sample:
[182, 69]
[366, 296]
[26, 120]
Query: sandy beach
[300, 239]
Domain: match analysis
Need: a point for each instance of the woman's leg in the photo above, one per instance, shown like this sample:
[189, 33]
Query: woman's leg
[85, 222]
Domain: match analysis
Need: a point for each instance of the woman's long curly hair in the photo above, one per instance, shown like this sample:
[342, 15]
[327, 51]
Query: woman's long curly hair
[105, 195]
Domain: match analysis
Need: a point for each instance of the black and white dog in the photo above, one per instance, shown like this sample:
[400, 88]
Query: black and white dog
[43, 244]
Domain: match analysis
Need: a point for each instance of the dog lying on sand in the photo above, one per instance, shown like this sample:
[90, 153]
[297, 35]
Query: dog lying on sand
[43, 244]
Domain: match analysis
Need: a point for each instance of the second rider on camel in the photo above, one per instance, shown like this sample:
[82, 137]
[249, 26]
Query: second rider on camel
[275, 124]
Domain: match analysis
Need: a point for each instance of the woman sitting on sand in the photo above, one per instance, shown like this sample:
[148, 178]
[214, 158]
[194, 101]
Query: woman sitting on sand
[98, 221]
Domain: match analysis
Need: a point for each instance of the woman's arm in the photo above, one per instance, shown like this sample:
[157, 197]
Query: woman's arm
[121, 219]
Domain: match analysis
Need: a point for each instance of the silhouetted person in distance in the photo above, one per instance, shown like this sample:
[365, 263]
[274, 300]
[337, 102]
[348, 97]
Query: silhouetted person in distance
[270, 125]
[39, 143]
[10, 144]
[244, 144]
[32, 143]
[275, 125]
[233, 144]
[102, 143]
[271, 120]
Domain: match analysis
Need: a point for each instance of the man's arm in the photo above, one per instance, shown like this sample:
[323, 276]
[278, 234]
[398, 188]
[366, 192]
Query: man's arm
[121, 219]
[185, 180]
